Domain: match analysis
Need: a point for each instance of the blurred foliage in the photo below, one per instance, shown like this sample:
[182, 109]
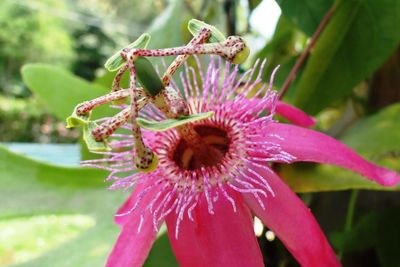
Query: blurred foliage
[28, 35]
[92, 48]
[24, 120]
[345, 69]
[376, 230]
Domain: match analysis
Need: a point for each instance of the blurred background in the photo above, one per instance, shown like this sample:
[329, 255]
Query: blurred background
[54, 213]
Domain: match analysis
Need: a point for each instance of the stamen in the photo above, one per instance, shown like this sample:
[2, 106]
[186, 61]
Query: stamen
[251, 179]
[140, 223]
[164, 212]
[207, 190]
[190, 210]
[137, 202]
[230, 49]
[185, 87]
[226, 195]
[199, 68]
[117, 79]
[87, 106]
[180, 216]
[161, 207]
[195, 85]
[206, 86]
[188, 80]
[248, 187]
[199, 38]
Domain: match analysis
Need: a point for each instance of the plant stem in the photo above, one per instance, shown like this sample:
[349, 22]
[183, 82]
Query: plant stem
[306, 52]
[350, 210]
[230, 11]
[349, 216]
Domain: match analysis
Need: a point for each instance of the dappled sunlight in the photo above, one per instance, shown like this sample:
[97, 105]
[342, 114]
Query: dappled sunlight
[25, 238]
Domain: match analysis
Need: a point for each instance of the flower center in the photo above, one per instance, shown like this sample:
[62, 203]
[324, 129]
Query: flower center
[214, 145]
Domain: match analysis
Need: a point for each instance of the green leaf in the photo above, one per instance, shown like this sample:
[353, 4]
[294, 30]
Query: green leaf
[375, 137]
[116, 61]
[34, 172]
[92, 144]
[348, 51]
[172, 123]
[195, 26]
[60, 91]
[306, 14]
[31, 190]
[168, 26]
[161, 254]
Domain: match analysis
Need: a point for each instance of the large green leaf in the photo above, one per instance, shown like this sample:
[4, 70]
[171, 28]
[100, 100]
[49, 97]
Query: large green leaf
[375, 137]
[31, 189]
[59, 90]
[359, 37]
[167, 28]
[306, 14]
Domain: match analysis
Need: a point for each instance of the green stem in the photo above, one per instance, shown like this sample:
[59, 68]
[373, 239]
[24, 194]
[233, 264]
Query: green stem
[349, 216]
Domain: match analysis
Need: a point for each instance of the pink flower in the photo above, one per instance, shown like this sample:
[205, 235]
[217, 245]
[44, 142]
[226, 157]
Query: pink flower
[208, 209]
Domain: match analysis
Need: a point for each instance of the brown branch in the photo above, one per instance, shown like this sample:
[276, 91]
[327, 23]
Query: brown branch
[306, 52]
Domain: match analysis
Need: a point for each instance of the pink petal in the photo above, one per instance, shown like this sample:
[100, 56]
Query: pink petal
[294, 114]
[133, 246]
[223, 239]
[309, 145]
[287, 216]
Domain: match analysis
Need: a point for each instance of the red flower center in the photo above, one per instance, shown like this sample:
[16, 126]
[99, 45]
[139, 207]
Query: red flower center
[217, 145]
